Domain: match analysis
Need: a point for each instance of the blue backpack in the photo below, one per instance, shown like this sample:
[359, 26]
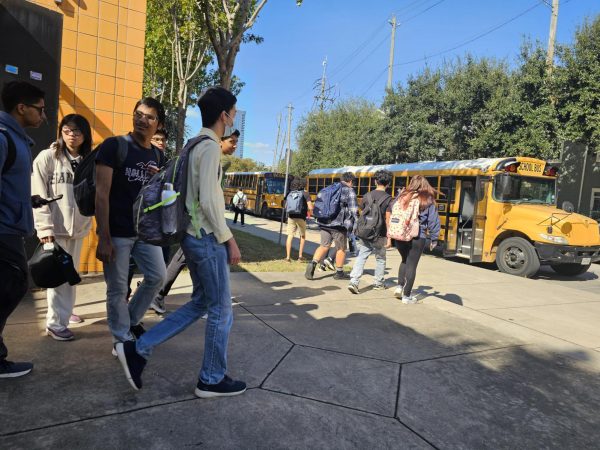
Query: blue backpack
[327, 205]
[295, 204]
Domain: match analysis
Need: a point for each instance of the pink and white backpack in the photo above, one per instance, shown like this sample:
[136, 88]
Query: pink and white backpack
[404, 223]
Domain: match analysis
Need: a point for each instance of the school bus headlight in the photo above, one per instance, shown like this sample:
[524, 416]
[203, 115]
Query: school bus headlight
[554, 239]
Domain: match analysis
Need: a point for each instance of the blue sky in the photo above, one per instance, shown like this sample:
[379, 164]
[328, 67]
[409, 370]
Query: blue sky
[354, 35]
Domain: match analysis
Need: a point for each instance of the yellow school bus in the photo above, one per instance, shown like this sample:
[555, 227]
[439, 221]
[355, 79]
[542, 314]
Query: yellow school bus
[264, 191]
[494, 210]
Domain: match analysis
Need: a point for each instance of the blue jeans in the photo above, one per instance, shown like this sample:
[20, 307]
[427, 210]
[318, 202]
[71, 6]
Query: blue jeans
[207, 262]
[365, 248]
[149, 259]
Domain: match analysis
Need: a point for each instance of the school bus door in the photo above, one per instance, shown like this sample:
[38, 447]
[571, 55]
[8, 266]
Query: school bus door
[451, 217]
[482, 190]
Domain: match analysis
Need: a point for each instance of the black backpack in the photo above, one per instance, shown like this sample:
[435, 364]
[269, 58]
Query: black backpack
[371, 222]
[84, 180]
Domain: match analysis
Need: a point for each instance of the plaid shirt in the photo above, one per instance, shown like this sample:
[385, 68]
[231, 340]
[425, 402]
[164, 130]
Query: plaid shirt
[348, 215]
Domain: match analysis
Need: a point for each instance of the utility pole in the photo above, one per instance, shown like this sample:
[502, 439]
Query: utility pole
[552, 38]
[275, 160]
[324, 90]
[391, 64]
[287, 167]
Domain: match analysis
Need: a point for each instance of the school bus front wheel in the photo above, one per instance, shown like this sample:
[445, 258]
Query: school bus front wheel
[516, 256]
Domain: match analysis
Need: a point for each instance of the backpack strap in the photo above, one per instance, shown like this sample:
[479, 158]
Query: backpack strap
[11, 155]
[122, 150]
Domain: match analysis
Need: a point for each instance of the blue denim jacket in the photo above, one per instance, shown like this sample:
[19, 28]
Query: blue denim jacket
[16, 216]
[429, 221]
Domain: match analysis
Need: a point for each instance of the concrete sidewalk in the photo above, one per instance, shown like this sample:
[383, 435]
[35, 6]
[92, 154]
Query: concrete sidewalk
[326, 369]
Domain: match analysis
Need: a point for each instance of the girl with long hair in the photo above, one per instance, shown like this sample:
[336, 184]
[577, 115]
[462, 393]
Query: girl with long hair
[60, 221]
[421, 191]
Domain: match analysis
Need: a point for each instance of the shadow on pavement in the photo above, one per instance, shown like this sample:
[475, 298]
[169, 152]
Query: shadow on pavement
[360, 372]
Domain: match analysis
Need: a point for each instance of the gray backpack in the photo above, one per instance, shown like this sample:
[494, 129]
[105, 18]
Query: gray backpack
[150, 212]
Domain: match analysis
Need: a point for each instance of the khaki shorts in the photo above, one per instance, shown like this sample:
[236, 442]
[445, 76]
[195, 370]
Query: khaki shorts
[294, 224]
[329, 235]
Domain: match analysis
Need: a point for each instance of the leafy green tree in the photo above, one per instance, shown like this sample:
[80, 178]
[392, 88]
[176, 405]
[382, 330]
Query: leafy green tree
[234, 164]
[228, 23]
[347, 134]
[578, 85]
[176, 59]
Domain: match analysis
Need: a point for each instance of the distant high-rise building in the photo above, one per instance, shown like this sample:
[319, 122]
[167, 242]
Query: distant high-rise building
[240, 124]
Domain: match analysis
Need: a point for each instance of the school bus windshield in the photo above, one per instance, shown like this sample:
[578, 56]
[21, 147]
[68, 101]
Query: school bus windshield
[275, 185]
[519, 189]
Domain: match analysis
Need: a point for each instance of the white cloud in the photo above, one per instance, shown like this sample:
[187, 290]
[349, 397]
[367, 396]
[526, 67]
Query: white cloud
[257, 145]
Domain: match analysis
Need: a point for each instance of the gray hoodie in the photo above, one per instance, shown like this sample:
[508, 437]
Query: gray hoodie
[16, 216]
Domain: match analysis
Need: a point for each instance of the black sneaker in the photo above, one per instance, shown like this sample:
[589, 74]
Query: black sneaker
[309, 273]
[339, 275]
[9, 369]
[226, 388]
[137, 330]
[133, 364]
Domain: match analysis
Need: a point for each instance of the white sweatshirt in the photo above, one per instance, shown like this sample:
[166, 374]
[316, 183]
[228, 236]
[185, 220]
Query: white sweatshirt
[52, 177]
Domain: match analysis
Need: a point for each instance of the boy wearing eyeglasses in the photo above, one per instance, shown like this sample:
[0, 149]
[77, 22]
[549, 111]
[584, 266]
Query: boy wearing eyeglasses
[24, 107]
[118, 182]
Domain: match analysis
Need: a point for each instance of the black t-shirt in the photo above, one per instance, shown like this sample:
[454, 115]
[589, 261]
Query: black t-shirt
[127, 180]
[306, 196]
[377, 196]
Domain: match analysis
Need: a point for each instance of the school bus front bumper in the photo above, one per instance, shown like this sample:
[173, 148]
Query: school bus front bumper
[552, 253]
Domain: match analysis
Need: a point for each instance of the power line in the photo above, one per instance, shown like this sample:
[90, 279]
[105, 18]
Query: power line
[473, 39]
[422, 12]
[349, 58]
[374, 81]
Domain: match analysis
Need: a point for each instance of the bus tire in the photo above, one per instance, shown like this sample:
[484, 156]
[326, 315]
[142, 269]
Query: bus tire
[516, 256]
[570, 269]
[264, 211]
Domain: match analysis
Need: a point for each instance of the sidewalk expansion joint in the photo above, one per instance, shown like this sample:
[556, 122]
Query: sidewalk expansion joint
[266, 324]
[474, 352]
[416, 433]
[398, 389]
[276, 366]
[338, 352]
[325, 402]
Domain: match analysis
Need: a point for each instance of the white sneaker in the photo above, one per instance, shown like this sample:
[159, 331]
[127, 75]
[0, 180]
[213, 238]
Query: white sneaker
[353, 288]
[114, 353]
[412, 300]
[398, 292]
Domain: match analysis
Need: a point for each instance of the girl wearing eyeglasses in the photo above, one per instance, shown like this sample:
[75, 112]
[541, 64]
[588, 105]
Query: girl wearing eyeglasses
[60, 221]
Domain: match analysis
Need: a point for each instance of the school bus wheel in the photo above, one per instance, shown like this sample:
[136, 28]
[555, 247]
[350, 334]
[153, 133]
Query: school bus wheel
[264, 211]
[516, 256]
[570, 269]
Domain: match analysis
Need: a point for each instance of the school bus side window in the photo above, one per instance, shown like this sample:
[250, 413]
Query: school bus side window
[399, 184]
[312, 185]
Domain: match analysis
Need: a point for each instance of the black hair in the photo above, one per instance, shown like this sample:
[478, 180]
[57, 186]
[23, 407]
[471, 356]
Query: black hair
[83, 125]
[163, 132]
[348, 177]
[213, 102]
[158, 107]
[15, 92]
[383, 177]
[298, 184]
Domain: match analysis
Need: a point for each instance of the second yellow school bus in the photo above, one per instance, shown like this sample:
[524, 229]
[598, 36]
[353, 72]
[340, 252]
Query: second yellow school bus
[499, 210]
[264, 191]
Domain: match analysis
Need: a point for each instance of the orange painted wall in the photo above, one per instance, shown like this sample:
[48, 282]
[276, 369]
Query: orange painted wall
[101, 71]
